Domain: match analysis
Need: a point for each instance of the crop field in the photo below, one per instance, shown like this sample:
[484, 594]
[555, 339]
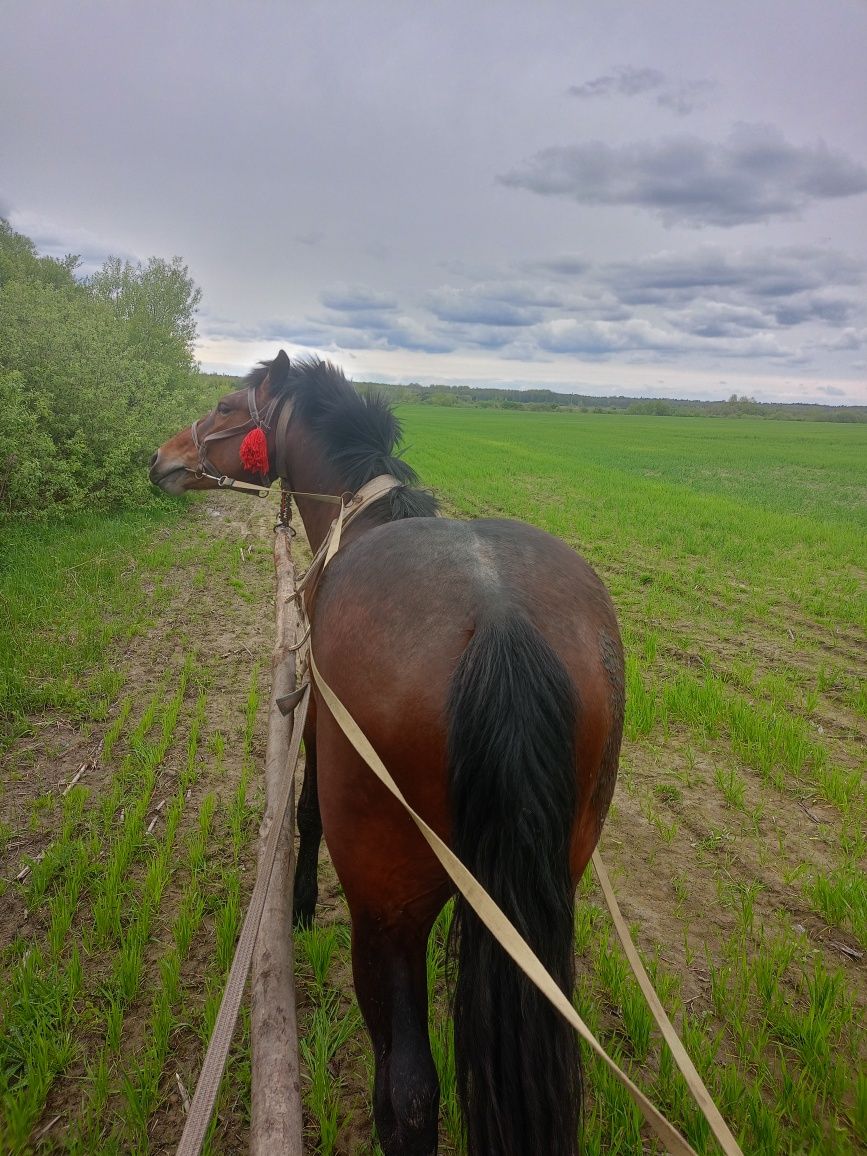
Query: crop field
[135, 651]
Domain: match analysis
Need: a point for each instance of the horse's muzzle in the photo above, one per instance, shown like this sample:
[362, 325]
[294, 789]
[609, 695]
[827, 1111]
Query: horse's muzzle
[169, 476]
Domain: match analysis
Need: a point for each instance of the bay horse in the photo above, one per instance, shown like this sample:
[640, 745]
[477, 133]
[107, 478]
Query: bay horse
[482, 659]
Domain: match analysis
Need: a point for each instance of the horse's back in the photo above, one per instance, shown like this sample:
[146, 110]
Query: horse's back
[394, 613]
[423, 572]
[411, 593]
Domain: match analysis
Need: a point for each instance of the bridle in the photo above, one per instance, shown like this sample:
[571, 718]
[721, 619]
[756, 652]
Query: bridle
[278, 414]
[280, 409]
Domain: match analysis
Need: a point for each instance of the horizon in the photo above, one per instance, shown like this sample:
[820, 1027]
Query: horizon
[612, 397]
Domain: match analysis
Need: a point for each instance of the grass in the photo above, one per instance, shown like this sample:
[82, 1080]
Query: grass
[66, 598]
[134, 899]
[735, 553]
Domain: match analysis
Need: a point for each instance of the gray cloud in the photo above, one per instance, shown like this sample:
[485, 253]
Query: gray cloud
[603, 338]
[452, 305]
[686, 97]
[506, 303]
[356, 298]
[671, 277]
[719, 319]
[52, 241]
[682, 97]
[755, 175]
[848, 339]
[374, 321]
[626, 81]
[778, 305]
[568, 265]
[831, 310]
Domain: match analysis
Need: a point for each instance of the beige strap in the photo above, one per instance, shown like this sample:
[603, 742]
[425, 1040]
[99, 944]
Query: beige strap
[335, 499]
[226, 483]
[202, 1106]
[369, 493]
[696, 1085]
[333, 540]
[499, 925]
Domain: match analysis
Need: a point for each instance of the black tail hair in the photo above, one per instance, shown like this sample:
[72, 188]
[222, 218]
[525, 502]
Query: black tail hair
[511, 748]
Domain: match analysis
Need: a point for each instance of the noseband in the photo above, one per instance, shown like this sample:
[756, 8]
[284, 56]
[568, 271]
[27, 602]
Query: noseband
[280, 406]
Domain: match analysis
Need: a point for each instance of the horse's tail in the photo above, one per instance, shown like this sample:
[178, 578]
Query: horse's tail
[511, 749]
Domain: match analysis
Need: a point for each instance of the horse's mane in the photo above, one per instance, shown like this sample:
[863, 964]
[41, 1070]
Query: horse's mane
[359, 433]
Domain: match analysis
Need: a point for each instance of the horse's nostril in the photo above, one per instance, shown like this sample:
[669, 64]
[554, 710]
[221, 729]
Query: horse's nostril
[153, 460]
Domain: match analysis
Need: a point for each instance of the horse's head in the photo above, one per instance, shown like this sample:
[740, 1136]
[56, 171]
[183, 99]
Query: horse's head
[229, 443]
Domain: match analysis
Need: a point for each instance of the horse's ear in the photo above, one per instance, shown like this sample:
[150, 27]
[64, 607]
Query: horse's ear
[279, 370]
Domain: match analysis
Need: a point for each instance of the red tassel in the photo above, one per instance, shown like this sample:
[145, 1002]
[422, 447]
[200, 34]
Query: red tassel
[254, 452]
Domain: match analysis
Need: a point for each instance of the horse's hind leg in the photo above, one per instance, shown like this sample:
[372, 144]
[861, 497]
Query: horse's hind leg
[310, 836]
[389, 967]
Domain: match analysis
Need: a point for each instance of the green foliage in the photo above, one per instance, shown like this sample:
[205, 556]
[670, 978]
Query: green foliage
[157, 300]
[93, 376]
[19, 261]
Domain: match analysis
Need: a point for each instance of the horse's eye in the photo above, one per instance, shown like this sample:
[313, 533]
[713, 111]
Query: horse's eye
[222, 408]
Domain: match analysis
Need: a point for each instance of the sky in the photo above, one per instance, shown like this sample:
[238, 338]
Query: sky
[648, 198]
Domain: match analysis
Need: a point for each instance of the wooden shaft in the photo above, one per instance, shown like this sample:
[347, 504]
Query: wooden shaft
[276, 1121]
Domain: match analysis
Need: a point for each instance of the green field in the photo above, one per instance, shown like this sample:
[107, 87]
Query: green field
[736, 553]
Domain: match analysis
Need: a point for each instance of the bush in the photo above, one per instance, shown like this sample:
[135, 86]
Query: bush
[92, 377]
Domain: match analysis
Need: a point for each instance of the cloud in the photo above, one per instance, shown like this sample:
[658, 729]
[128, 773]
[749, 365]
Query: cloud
[671, 278]
[622, 82]
[507, 303]
[371, 328]
[356, 299]
[686, 97]
[847, 340]
[755, 175]
[53, 240]
[568, 265]
[603, 338]
[682, 96]
[454, 305]
[779, 305]
[718, 319]
[827, 308]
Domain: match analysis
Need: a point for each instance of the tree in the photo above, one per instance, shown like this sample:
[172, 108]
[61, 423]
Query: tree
[19, 261]
[158, 301]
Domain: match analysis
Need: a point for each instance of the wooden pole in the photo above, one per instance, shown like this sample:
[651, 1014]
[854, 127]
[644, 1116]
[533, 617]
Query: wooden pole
[276, 1122]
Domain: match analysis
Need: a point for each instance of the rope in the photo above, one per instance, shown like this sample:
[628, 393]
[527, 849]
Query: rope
[484, 906]
[681, 1057]
[520, 951]
[510, 939]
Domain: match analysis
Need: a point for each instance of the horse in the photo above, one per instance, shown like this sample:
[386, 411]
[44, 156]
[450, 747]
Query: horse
[483, 661]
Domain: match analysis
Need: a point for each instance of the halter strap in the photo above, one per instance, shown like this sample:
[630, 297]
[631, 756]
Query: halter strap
[257, 419]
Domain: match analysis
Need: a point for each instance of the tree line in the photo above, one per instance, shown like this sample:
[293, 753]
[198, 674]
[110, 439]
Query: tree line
[548, 399]
[93, 373]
